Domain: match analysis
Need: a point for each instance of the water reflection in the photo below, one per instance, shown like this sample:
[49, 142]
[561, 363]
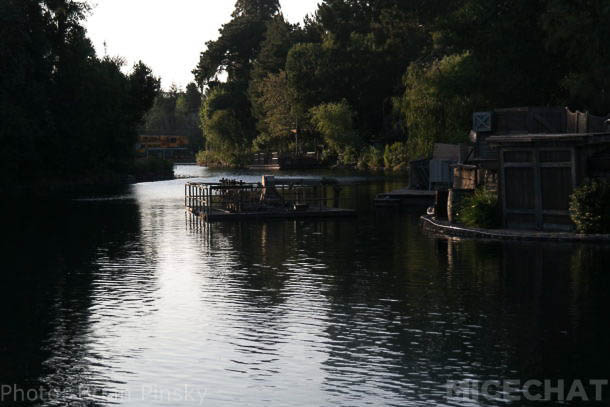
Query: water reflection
[51, 266]
[127, 296]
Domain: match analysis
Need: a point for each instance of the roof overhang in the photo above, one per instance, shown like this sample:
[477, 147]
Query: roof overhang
[573, 139]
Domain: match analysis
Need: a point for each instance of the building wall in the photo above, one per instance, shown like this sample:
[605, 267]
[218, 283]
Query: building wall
[536, 185]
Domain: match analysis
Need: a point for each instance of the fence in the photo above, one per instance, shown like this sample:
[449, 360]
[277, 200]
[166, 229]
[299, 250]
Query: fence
[234, 197]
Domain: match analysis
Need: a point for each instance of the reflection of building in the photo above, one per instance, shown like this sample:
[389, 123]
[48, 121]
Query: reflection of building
[163, 145]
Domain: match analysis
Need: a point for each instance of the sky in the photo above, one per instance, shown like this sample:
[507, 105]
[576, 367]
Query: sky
[167, 35]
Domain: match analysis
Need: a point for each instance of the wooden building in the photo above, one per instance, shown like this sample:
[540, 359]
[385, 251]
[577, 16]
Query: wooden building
[539, 172]
[436, 173]
[534, 158]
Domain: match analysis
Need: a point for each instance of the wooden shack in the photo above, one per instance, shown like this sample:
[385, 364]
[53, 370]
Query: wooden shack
[534, 157]
[436, 173]
[538, 173]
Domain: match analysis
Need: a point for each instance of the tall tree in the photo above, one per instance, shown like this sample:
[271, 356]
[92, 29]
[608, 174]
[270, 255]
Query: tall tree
[235, 49]
[579, 33]
[267, 78]
[259, 8]
[233, 54]
[63, 111]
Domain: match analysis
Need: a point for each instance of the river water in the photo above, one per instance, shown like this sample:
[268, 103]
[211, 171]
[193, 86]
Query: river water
[115, 298]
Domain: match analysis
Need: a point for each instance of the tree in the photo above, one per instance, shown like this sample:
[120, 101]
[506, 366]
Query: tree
[233, 54]
[309, 73]
[438, 103]
[379, 37]
[224, 134]
[258, 8]
[506, 42]
[64, 112]
[407, 69]
[26, 70]
[268, 84]
[238, 43]
[187, 121]
[280, 114]
[162, 116]
[143, 88]
[579, 32]
[192, 98]
[335, 122]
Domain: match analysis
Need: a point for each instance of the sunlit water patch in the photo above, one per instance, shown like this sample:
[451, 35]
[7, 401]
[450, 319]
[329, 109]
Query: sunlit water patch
[120, 300]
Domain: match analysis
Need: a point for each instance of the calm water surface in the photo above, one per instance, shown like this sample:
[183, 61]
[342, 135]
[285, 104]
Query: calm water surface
[118, 299]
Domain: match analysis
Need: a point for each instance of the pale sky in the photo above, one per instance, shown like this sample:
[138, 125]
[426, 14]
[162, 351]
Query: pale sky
[167, 35]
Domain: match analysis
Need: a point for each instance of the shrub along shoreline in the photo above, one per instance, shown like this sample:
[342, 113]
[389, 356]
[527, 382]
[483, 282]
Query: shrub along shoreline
[589, 209]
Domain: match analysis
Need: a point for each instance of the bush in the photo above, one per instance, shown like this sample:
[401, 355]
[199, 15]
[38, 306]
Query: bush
[208, 158]
[218, 159]
[349, 156]
[590, 207]
[371, 158]
[480, 210]
[329, 156]
[395, 156]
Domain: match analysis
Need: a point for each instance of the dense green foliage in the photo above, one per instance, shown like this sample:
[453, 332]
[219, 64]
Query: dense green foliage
[64, 112]
[395, 155]
[590, 207]
[371, 158]
[177, 112]
[437, 104]
[480, 210]
[227, 109]
[408, 71]
[335, 122]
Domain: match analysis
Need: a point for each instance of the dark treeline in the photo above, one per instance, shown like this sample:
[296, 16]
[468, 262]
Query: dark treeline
[177, 112]
[385, 79]
[65, 114]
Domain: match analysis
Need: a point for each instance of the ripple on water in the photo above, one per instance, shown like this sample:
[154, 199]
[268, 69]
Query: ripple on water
[369, 312]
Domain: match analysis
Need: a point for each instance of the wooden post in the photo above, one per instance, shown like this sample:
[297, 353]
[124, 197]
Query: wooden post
[199, 207]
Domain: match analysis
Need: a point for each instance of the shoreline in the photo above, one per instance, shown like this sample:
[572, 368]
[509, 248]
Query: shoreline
[449, 229]
[58, 187]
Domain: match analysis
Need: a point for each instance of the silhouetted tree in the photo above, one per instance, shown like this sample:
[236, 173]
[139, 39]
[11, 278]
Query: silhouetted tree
[63, 111]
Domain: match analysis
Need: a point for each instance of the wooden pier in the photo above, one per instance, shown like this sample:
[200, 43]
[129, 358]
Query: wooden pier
[273, 198]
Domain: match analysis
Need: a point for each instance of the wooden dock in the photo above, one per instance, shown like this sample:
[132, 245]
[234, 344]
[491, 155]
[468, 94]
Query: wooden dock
[272, 198]
[406, 197]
